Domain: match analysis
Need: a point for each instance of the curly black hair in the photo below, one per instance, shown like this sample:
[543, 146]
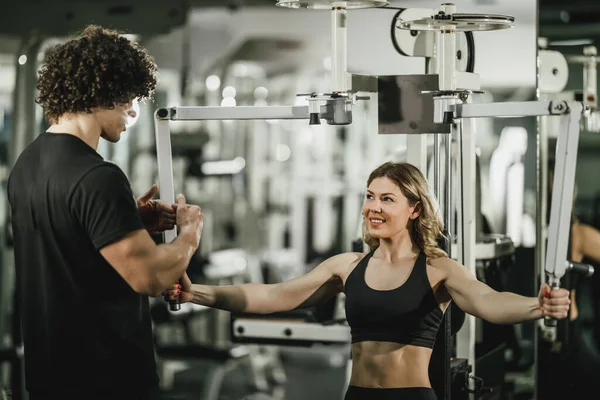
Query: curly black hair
[98, 68]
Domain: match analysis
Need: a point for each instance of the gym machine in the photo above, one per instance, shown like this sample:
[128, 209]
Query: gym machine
[452, 110]
[335, 108]
[578, 353]
[448, 108]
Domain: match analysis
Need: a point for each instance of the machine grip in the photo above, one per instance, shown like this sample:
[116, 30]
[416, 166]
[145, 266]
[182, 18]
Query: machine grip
[551, 322]
[174, 305]
[582, 269]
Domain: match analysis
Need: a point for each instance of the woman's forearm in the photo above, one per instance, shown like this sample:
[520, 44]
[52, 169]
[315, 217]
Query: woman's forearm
[510, 308]
[252, 298]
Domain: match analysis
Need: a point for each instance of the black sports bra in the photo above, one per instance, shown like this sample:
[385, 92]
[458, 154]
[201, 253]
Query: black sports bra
[409, 314]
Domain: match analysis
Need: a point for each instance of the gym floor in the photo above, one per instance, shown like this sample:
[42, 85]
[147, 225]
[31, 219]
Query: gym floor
[317, 373]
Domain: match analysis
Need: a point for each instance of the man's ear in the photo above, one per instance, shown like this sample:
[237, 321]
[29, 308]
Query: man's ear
[417, 209]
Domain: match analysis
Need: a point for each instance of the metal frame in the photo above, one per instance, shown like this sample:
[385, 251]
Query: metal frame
[293, 331]
[510, 109]
[164, 153]
[466, 232]
[556, 263]
[556, 253]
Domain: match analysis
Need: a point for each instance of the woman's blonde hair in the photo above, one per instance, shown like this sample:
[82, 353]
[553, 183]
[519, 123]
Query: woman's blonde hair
[427, 229]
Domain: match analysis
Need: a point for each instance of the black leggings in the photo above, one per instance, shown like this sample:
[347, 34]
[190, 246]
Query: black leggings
[408, 393]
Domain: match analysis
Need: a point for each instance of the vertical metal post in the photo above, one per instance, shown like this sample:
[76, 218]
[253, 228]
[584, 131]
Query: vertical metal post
[165, 164]
[541, 162]
[416, 151]
[447, 185]
[590, 84]
[299, 202]
[542, 199]
[448, 223]
[465, 346]
[339, 46]
[439, 370]
[446, 62]
[562, 202]
[437, 178]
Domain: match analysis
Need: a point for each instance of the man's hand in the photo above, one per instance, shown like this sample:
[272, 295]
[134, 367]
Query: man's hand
[157, 216]
[189, 219]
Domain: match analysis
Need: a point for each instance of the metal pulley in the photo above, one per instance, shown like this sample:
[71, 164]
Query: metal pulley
[454, 85]
[464, 22]
[337, 103]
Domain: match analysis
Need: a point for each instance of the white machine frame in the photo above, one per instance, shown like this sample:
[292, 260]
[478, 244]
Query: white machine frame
[164, 153]
[247, 328]
[556, 263]
[566, 156]
[451, 105]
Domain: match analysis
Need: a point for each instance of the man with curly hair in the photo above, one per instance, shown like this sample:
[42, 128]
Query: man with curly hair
[85, 260]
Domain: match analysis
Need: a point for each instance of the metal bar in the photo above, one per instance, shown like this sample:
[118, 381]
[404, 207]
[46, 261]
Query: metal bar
[416, 151]
[199, 113]
[457, 195]
[590, 85]
[562, 193]
[437, 178]
[339, 48]
[562, 203]
[465, 343]
[447, 192]
[542, 201]
[490, 250]
[164, 157]
[509, 109]
[280, 330]
[448, 218]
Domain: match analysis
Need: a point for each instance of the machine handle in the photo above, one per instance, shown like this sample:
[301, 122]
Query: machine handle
[175, 305]
[580, 268]
[583, 269]
[554, 284]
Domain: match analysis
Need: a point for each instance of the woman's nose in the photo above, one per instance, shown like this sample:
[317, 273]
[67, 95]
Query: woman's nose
[375, 207]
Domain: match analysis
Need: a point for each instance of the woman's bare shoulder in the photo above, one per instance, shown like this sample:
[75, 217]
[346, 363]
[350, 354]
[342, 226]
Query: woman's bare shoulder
[340, 263]
[440, 262]
[442, 267]
[348, 258]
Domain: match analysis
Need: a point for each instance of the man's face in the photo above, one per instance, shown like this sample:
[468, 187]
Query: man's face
[115, 121]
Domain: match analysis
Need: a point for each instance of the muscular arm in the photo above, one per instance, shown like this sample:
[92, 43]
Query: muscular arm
[478, 299]
[308, 290]
[150, 269]
[102, 202]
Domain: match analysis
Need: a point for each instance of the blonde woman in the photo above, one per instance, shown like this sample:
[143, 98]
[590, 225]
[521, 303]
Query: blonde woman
[396, 295]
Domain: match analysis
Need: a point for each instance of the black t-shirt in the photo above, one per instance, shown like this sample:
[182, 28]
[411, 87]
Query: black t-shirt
[84, 328]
